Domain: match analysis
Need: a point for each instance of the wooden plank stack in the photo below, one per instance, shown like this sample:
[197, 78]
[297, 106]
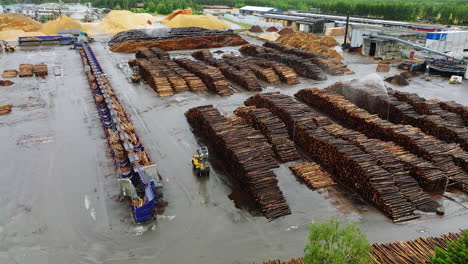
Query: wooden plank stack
[273, 129]
[244, 78]
[9, 73]
[312, 174]
[5, 109]
[343, 159]
[26, 70]
[239, 147]
[40, 70]
[327, 63]
[210, 75]
[448, 158]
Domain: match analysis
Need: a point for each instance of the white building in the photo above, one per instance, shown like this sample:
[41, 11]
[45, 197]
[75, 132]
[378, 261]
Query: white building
[250, 10]
[455, 42]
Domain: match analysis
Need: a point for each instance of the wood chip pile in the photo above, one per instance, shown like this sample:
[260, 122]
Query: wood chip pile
[9, 73]
[327, 63]
[210, 75]
[357, 169]
[312, 174]
[273, 129]
[244, 78]
[26, 70]
[242, 158]
[5, 109]
[40, 70]
[450, 159]
[174, 39]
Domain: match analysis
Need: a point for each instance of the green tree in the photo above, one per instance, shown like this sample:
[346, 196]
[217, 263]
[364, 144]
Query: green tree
[329, 243]
[456, 253]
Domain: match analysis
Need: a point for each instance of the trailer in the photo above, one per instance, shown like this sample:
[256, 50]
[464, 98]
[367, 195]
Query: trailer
[46, 40]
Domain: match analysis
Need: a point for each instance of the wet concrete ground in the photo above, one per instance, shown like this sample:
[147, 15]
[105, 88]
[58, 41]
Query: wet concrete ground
[59, 194]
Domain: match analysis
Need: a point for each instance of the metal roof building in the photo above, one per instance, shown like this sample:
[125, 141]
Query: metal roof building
[249, 10]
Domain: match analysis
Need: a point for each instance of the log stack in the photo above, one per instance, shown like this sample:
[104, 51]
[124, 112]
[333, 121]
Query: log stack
[154, 77]
[312, 174]
[265, 74]
[448, 158]
[40, 70]
[194, 83]
[285, 73]
[26, 70]
[301, 66]
[210, 75]
[5, 109]
[456, 108]
[273, 129]
[243, 161]
[9, 73]
[357, 169]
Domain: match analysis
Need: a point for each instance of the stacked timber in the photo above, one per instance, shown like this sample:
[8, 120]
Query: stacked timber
[40, 70]
[9, 73]
[194, 83]
[265, 74]
[161, 54]
[312, 174]
[244, 78]
[285, 73]
[301, 66]
[254, 50]
[26, 70]
[154, 77]
[234, 145]
[357, 169]
[210, 75]
[448, 158]
[456, 108]
[273, 129]
[327, 63]
[5, 109]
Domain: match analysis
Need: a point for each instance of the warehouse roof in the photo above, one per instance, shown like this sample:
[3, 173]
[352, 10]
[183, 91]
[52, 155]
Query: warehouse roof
[257, 8]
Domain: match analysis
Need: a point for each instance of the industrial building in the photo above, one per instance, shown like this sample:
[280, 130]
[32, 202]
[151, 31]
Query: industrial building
[216, 9]
[250, 10]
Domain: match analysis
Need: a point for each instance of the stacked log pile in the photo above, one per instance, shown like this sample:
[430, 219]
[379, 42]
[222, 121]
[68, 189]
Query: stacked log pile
[9, 73]
[5, 109]
[210, 75]
[26, 70]
[456, 108]
[312, 174]
[357, 169]
[243, 161]
[265, 74]
[444, 156]
[285, 73]
[154, 77]
[244, 78]
[273, 129]
[327, 63]
[174, 39]
[40, 70]
[301, 66]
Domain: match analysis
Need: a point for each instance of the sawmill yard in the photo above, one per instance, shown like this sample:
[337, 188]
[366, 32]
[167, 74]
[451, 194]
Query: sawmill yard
[60, 197]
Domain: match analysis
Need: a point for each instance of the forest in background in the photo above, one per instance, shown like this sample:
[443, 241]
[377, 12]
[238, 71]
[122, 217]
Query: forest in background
[430, 11]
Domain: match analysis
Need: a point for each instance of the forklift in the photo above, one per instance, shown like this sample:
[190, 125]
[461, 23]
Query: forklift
[8, 47]
[200, 162]
[136, 78]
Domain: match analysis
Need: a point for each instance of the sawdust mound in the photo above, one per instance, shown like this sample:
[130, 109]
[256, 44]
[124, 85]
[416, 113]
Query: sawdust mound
[62, 23]
[6, 83]
[13, 35]
[122, 20]
[18, 22]
[286, 31]
[256, 29]
[272, 36]
[177, 12]
[271, 29]
[310, 42]
[202, 21]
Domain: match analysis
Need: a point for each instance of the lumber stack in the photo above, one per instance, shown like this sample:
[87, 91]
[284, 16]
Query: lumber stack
[244, 78]
[194, 83]
[327, 63]
[456, 108]
[5, 109]
[265, 74]
[40, 70]
[26, 70]
[9, 73]
[301, 66]
[448, 158]
[154, 77]
[273, 129]
[234, 145]
[357, 169]
[210, 75]
[312, 174]
[285, 73]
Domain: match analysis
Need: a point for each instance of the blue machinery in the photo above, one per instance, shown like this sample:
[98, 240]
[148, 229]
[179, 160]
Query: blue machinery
[135, 181]
[38, 40]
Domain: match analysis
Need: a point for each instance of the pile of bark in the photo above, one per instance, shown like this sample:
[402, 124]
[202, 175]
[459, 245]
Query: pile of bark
[9, 73]
[449, 159]
[312, 174]
[256, 29]
[397, 79]
[327, 63]
[343, 159]
[6, 83]
[244, 78]
[273, 129]
[5, 109]
[210, 75]
[40, 70]
[173, 39]
[26, 70]
[243, 156]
